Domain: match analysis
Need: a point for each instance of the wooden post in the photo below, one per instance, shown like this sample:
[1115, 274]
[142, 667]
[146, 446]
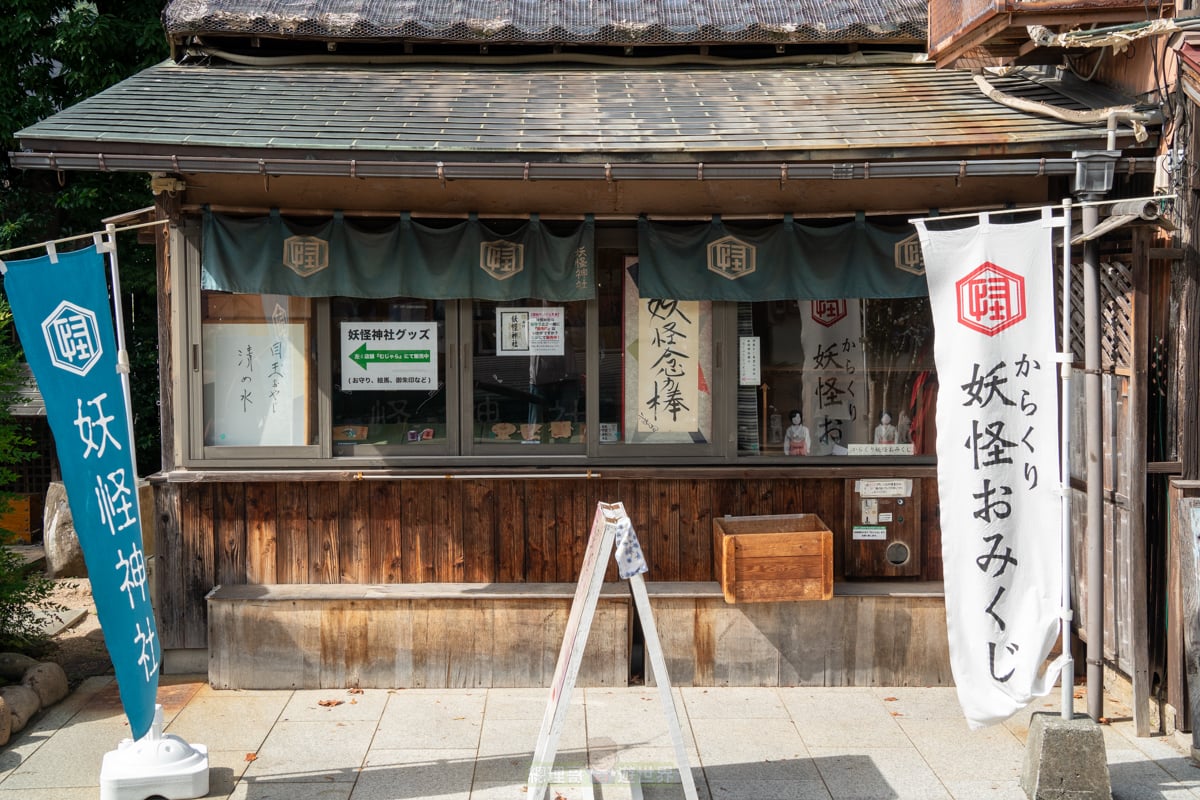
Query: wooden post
[1185, 530]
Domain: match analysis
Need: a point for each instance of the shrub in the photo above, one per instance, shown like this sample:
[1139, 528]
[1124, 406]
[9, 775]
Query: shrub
[23, 592]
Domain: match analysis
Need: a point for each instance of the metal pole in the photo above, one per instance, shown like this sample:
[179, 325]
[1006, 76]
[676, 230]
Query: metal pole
[110, 247]
[1064, 456]
[1095, 475]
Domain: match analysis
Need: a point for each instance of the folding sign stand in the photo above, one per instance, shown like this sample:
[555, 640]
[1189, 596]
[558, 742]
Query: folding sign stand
[609, 522]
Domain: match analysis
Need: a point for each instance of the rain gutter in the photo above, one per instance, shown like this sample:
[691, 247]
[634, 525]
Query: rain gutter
[533, 170]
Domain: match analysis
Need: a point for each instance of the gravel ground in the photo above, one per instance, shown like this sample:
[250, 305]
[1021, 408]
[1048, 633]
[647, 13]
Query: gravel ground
[79, 649]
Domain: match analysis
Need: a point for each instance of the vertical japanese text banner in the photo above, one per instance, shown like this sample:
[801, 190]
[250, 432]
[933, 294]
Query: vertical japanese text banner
[61, 312]
[991, 287]
[831, 336]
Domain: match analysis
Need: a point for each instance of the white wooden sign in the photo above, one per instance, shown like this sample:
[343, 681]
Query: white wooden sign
[608, 520]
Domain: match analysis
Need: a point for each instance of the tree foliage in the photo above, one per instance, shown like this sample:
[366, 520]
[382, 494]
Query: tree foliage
[53, 54]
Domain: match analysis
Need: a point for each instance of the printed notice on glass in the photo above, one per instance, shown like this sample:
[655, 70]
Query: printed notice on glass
[749, 361]
[380, 356]
[530, 332]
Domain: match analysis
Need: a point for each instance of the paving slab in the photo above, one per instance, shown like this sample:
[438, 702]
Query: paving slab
[313, 752]
[803, 743]
[525, 703]
[843, 718]
[339, 704]
[762, 749]
[52, 623]
[755, 789]
[892, 772]
[232, 721]
[416, 774]
[957, 753]
[733, 702]
[986, 790]
[289, 790]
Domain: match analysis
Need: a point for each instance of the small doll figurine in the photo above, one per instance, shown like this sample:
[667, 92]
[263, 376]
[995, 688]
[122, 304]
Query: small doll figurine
[885, 431]
[796, 441]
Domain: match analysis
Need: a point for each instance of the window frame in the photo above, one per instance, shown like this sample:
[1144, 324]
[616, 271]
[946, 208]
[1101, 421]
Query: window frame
[460, 450]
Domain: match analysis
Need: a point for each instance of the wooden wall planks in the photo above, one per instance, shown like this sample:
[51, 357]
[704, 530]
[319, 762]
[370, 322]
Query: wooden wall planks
[448, 531]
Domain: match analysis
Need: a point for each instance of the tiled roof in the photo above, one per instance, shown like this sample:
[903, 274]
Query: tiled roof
[559, 22]
[423, 112]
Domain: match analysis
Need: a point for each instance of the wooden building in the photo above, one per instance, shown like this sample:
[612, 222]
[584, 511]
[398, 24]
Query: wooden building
[437, 279]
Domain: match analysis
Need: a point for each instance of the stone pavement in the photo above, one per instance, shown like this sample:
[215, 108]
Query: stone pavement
[477, 744]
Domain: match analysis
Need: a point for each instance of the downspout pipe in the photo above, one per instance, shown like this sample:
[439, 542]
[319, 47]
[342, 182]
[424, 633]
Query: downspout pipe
[1094, 540]
[1093, 180]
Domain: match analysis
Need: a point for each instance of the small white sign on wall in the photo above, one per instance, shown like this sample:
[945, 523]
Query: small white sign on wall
[749, 361]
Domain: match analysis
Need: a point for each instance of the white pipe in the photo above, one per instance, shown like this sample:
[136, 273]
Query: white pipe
[1095, 470]
[1109, 116]
[107, 229]
[110, 247]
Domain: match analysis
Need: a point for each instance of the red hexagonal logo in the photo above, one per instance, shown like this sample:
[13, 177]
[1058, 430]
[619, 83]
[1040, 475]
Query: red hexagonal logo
[990, 299]
[828, 312]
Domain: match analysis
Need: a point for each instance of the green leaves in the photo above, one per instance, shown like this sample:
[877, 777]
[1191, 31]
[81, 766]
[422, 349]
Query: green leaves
[53, 54]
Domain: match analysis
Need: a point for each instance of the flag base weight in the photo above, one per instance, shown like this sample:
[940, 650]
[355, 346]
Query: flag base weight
[157, 765]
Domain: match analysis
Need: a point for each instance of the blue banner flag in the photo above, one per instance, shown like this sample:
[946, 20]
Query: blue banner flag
[62, 315]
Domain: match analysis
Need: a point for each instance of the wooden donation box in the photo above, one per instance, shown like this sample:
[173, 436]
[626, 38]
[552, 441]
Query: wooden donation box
[774, 558]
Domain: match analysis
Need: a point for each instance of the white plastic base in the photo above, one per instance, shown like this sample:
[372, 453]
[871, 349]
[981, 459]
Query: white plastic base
[157, 765]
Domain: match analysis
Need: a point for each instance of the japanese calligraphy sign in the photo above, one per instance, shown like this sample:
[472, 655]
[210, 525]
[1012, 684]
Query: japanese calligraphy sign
[991, 287]
[62, 316]
[668, 369]
[258, 379]
[831, 335]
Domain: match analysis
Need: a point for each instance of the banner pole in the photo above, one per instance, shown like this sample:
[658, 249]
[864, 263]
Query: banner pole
[1064, 373]
[109, 246]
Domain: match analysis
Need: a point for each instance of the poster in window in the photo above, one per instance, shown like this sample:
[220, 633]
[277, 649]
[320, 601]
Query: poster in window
[393, 356]
[831, 334]
[256, 384]
[668, 349]
[530, 331]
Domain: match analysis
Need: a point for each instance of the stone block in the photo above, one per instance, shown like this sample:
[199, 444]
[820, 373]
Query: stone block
[5, 723]
[49, 681]
[13, 666]
[64, 556]
[1065, 759]
[22, 703]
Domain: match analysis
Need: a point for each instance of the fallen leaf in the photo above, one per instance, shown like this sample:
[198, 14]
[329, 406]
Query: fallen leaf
[329, 703]
[251, 756]
[895, 713]
[890, 699]
[1104, 721]
[355, 690]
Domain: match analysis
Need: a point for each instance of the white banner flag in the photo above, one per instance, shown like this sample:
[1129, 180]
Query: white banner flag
[831, 333]
[991, 287]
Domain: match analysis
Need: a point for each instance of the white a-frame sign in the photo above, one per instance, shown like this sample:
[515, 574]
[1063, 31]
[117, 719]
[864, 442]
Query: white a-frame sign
[610, 528]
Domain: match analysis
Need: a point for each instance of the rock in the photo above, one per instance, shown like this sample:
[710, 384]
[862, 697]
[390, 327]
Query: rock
[49, 681]
[13, 666]
[64, 556]
[5, 723]
[22, 703]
